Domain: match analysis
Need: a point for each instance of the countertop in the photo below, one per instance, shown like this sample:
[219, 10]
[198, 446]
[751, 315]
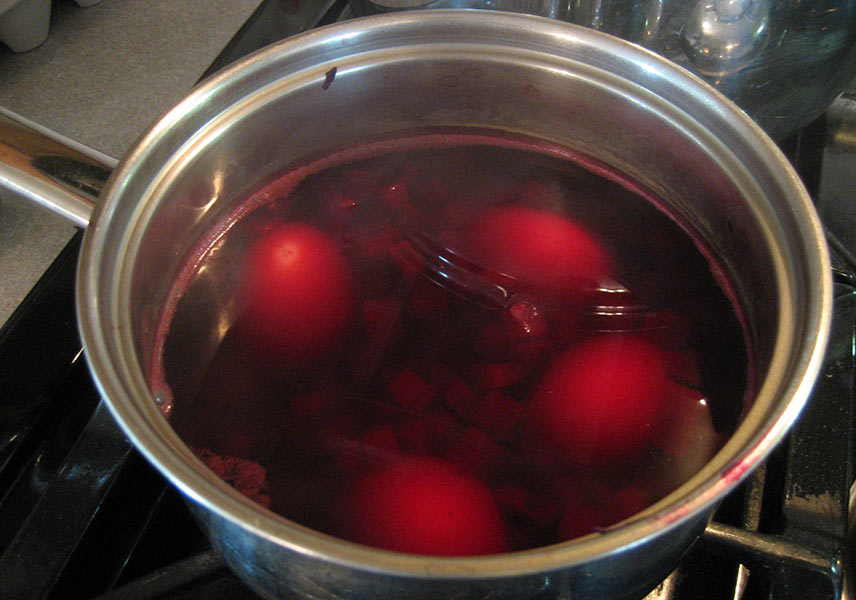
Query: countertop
[102, 76]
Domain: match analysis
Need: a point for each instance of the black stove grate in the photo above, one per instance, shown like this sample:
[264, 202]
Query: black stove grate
[83, 515]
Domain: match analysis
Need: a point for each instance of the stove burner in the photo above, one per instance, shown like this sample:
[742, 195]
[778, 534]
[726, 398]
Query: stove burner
[83, 515]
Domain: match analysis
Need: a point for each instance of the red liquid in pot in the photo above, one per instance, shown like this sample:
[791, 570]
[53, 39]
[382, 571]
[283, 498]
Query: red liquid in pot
[455, 345]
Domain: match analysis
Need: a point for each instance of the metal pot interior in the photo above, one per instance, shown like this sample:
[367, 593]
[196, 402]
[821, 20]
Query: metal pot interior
[712, 167]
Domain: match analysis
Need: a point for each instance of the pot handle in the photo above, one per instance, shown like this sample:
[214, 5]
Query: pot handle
[51, 170]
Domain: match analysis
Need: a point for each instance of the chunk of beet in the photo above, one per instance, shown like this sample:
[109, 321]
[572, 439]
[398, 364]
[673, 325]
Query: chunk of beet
[438, 375]
[441, 428]
[380, 444]
[407, 259]
[473, 451]
[395, 199]
[461, 398]
[339, 209]
[246, 476]
[493, 376]
[358, 182]
[374, 240]
[393, 196]
[410, 391]
[339, 438]
[430, 194]
[381, 319]
[492, 341]
[498, 415]
[381, 316]
[311, 405]
[529, 353]
[412, 434]
[525, 320]
[427, 299]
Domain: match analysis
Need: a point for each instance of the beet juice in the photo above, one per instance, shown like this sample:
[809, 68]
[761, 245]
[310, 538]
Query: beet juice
[455, 344]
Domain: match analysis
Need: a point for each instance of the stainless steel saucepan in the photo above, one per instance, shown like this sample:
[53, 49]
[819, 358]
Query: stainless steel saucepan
[568, 85]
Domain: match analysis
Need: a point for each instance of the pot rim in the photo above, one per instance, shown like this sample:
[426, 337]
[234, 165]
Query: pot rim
[135, 408]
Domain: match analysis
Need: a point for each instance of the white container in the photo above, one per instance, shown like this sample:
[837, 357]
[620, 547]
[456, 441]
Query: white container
[25, 24]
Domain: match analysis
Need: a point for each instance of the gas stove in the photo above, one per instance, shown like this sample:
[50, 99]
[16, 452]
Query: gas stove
[83, 515]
